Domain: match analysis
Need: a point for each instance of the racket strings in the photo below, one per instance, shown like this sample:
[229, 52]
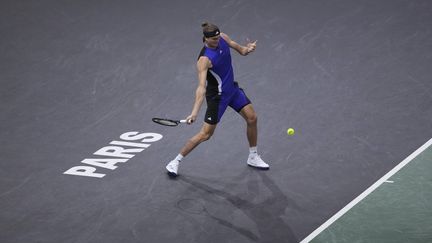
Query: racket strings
[165, 122]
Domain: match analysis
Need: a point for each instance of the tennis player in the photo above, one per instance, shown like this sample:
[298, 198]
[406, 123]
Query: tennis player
[217, 86]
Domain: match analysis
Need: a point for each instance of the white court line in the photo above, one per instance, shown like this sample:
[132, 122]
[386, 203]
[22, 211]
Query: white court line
[365, 193]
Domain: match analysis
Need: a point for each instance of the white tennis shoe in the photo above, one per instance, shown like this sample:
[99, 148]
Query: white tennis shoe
[257, 162]
[172, 168]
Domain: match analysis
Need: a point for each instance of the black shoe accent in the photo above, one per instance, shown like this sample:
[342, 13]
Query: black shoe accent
[172, 174]
[259, 168]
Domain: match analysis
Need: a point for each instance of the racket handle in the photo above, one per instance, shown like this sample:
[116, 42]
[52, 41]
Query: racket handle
[183, 121]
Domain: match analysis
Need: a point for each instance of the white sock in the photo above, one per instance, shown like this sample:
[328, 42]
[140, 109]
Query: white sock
[253, 151]
[179, 157]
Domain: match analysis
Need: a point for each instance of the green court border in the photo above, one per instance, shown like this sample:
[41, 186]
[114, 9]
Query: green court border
[368, 191]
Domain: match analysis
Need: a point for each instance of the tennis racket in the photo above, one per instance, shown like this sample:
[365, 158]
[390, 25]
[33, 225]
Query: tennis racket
[168, 122]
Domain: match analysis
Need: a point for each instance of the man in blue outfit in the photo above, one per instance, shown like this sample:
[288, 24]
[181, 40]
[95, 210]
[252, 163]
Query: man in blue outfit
[216, 84]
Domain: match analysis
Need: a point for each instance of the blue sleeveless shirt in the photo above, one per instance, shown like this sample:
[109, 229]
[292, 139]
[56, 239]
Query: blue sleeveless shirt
[220, 78]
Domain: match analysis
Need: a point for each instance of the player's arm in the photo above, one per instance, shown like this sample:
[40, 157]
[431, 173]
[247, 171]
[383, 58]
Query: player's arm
[203, 65]
[242, 50]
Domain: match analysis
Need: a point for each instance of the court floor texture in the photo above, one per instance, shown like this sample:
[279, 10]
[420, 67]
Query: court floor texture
[81, 161]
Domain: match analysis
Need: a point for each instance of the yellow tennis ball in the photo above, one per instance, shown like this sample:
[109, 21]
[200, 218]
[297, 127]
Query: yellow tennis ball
[290, 131]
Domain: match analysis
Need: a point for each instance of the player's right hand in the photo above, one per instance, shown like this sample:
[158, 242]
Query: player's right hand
[190, 119]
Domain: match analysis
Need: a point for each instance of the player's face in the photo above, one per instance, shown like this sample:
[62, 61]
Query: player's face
[213, 41]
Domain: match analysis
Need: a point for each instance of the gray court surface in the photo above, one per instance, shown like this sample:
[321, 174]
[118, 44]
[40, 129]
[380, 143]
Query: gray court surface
[352, 77]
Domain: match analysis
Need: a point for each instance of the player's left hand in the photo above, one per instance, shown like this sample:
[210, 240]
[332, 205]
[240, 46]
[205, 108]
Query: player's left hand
[250, 46]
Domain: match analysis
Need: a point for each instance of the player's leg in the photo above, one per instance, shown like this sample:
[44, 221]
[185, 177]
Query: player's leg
[249, 114]
[216, 106]
[204, 134]
[243, 106]
[254, 160]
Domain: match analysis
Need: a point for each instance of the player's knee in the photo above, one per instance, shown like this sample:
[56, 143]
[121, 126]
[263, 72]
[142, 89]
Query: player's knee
[205, 136]
[252, 119]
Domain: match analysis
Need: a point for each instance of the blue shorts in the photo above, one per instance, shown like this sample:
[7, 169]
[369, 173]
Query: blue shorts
[217, 104]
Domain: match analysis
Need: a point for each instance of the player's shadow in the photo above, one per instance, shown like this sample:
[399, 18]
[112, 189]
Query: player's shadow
[267, 214]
